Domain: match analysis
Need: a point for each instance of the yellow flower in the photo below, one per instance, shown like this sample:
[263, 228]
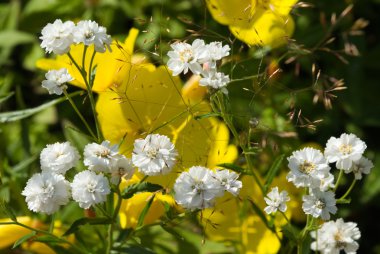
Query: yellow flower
[255, 22]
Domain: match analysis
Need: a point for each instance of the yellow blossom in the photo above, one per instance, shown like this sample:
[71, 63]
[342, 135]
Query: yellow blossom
[255, 22]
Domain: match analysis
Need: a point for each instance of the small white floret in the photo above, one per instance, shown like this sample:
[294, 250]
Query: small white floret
[197, 188]
[122, 167]
[360, 167]
[57, 37]
[154, 155]
[229, 181]
[56, 81]
[319, 204]
[59, 157]
[276, 201]
[89, 32]
[89, 188]
[46, 192]
[100, 158]
[335, 236]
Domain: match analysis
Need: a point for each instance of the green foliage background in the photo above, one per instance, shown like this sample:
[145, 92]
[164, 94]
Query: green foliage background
[356, 109]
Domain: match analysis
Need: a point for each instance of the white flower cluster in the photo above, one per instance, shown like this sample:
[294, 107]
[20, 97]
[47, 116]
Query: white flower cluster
[57, 37]
[45, 192]
[334, 236]
[201, 59]
[310, 168]
[199, 187]
[56, 81]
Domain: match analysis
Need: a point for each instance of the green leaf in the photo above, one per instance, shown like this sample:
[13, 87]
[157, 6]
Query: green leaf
[135, 249]
[5, 208]
[235, 168]
[173, 232]
[11, 38]
[261, 214]
[24, 239]
[48, 239]
[140, 187]
[21, 114]
[6, 97]
[145, 211]
[276, 165]
[83, 221]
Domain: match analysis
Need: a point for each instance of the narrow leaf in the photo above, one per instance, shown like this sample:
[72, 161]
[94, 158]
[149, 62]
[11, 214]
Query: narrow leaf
[6, 97]
[24, 239]
[7, 210]
[144, 212]
[276, 165]
[199, 117]
[83, 221]
[21, 114]
[140, 187]
[261, 214]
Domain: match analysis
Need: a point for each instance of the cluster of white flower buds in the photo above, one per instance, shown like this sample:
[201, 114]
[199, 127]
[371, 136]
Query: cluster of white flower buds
[309, 168]
[200, 59]
[58, 37]
[155, 155]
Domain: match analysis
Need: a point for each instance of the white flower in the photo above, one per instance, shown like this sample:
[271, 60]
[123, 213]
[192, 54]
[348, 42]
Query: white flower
[319, 204]
[185, 56]
[56, 81]
[215, 51]
[46, 192]
[197, 188]
[344, 150]
[334, 236]
[57, 37]
[121, 168]
[59, 157]
[89, 189]
[100, 157]
[89, 32]
[154, 155]
[308, 167]
[229, 181]
[276, 201]
[216, 80]
[327, 182]
[362, 166]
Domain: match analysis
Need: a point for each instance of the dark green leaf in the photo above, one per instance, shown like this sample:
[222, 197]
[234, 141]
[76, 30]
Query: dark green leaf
[5, 208]
[276, 165]
[173, 232]
[83, 221]
[48, 239]
[145, 211]
[10, 38]
[135, 249]
[6, 97]
[140, 187]
[24, 239]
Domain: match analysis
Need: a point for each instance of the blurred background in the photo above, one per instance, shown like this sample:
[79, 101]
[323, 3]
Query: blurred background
[303, 104]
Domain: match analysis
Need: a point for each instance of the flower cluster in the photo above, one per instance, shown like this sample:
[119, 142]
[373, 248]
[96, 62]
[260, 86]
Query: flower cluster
[199, 187]
[57, 37]
[45, 192]
[309, 168]
[200, 59]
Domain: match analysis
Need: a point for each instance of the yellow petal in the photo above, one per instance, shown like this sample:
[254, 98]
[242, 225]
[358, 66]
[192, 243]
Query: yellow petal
[9, 234]
[268, 29]
[227, 12]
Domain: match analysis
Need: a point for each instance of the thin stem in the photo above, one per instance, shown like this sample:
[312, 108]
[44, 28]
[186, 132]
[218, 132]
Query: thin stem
[90, 94]
[51, 228]
[90, 69]
[111, 226]
[79, 114]
[348, 191]
[338, 180]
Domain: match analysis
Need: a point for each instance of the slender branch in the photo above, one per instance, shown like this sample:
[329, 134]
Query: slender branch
[348, 191]
[338, 180]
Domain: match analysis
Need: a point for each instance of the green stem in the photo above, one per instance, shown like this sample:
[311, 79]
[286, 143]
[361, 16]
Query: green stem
[51, 228]
[90, 69]
[89, 91]
[348, 191]
[79, 114]
[338, 180]
[111, 226]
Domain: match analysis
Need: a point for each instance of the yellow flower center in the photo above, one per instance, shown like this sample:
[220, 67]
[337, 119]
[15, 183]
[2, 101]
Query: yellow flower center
[186, 55]
[339, 241]
[103, 153]
[152, 152]
[345, 149]
[307, 167]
